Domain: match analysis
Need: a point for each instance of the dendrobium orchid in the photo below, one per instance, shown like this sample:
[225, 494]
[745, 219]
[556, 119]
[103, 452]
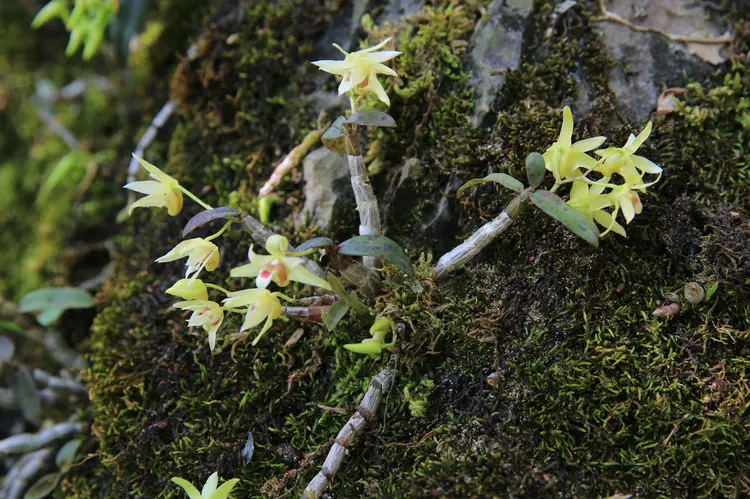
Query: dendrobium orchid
[210, 490]
[201, 253]
[163, 191]
[590, 200]
[360, 69]
[563, 157]
[189, 289]
[278, 267]
[624, 161]
[261, 305]
[207, 314]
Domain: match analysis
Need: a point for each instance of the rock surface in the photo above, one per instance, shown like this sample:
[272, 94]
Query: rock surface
[326, 181]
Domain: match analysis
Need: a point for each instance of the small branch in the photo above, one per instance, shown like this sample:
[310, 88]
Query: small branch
[59, 129]
[612, 17]
[367, 203]
[365, 413]
[260, 234]
[318, 300]
[9, 401]
[290, 161]
[148, 138]
[461, 254]
[26, 469]
[46, 380]
[30, 442]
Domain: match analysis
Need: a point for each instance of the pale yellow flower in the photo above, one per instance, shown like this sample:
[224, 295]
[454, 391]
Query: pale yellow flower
[624, 161]
[278, 267]
[199, 252]
[210, 490]
[206, 314]
[360, 69]
[563, 157]
[625, 199]
[591, 201]
[189, 289]
[163, 191]
[261, 305]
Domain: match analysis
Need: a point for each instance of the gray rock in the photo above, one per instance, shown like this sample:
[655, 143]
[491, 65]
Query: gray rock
[395, 9]
[497, 44]
[647, 61]
[326, 176]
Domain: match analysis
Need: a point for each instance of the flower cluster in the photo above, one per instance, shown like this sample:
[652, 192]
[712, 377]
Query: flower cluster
[570, 163]
[258, 305]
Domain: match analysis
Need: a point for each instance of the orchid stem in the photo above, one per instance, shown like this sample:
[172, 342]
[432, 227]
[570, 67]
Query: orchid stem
[194, 197]
[214, 286]
[235, 310]
[221, 231]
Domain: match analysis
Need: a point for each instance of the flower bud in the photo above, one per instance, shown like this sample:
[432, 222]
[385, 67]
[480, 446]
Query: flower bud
[694, 292]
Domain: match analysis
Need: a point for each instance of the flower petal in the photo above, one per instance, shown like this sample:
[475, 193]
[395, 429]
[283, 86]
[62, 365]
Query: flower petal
[211, 483]
[254, 317]
[633, 145]
[566, 131]
[385, 55]
[376, 47]
[646, 165]
[182, 250]
[145, 186]
[152, 201]
[156, 173]
[588, 144]
[373, 85]
[302, 275]
[334, 67]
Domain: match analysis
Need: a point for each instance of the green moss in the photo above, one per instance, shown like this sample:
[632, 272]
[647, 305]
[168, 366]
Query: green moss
[587, 394]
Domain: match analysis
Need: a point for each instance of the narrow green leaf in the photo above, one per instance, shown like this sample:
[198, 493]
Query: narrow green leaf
[501, 178]
[333, 138]
[11, 326]
[370, 346]
[206, 216]
[574, 220]
[371, 117]
[67, 454]
[380, 247]
[535, 169]
[710, 290]
[315, 242]
[49, 316]
[64, 168]
[335, 313]
[55, 298]
[27, 396]
[43, 487]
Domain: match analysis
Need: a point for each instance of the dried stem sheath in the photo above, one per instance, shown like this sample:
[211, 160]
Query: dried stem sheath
[367, 203]
[260, 234]
[30, 442]
[461, 254]
[365, 413]
[313, 313]
[24, 471]
[290, 161]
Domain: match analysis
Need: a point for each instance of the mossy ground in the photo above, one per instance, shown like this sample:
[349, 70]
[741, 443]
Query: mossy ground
[538, 371]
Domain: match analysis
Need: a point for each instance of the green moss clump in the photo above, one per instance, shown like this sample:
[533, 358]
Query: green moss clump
[520, 376]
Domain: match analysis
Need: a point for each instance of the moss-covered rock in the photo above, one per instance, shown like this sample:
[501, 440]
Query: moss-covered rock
[537, 371]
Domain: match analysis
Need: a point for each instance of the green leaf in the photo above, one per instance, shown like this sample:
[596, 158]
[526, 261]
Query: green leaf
[380, 247]
[501, 178]
[56, 8]
[67, 454]
[371, 117]
[49, 316]
[334, 138]
[11, 326]
[188, 487]
[27, 396]
[206, 216]
[370, 346]
[43, 487]
[52, 301]
[710, 290]
[535, 169]
[574, 220]
[335, 313]
[265, 204]
[64, 168]
[315, 242]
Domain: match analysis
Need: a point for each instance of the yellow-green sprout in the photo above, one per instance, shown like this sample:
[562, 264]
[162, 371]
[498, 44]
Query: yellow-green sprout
[210, 490]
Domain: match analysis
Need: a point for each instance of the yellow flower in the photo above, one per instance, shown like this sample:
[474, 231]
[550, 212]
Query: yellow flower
[563, 157]
[210, 490]
[163, 191]
[360, 70]
[199, 252]
[624, 161]
[189, 289]
[278, 267]
[207, 314]
[261, 305]
[624, 198]
[591, 201]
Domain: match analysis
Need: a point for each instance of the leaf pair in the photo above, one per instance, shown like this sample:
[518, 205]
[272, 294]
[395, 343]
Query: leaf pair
[334, 138]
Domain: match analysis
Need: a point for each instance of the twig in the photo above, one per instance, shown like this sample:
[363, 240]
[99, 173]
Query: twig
[46, 380]
[290, 161]
[26, 469]
[9, 401]
[367, 203]
[461, 254]
[260, 233]
[148, 138]
[612, 17]
[57, 127]
[30, 442]
[365, 412]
